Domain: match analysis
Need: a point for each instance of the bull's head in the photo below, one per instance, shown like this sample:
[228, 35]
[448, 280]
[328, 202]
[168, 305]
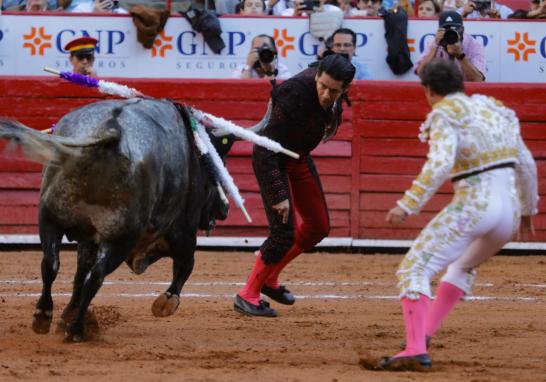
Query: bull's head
[215, 207]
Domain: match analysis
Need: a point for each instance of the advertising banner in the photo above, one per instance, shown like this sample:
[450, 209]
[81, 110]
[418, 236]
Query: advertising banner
[515, 51]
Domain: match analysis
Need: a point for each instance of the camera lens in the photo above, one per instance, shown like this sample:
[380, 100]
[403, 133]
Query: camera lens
[266, 54]
[450, 37]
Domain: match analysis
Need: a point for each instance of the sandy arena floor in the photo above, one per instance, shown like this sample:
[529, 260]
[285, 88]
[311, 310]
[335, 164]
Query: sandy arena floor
[347, 309]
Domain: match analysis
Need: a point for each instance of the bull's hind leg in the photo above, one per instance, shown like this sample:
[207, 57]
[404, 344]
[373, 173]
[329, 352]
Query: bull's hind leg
[109, 257]
[50, 237]
[182, 250]
[87, 256]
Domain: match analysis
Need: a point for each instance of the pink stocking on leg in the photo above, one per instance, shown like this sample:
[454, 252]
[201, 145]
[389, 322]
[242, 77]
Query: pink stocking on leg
[415, 313]
[447, 296]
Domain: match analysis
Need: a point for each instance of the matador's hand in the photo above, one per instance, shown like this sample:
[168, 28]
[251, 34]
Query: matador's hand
[283, 209]
[396, 216]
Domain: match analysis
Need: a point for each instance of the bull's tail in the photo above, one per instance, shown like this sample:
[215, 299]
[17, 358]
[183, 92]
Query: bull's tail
[42, 147]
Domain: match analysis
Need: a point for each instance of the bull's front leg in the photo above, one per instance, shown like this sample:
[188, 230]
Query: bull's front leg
[109, 257]
[50, 237]
[182, 252]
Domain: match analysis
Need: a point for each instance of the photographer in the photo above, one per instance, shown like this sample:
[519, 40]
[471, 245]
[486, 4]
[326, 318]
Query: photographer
[262, 61]
[451, 43]
[481, 9]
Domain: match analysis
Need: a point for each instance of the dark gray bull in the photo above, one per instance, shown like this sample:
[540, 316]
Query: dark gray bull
[125, 181]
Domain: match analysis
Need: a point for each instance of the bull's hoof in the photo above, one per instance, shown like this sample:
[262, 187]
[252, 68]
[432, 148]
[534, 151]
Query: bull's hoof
[139, 264]
[165, 305]
[74, 333]
[41, 321]
[91, 323]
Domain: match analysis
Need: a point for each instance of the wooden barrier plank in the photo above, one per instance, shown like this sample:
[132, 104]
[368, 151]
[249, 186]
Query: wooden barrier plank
[390, 165]
[19, 198]
[18, 215]
[385, 201]
[394, 147]
[21, 180]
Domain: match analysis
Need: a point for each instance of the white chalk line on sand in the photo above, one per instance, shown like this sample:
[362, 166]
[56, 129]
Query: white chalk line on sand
[237, 283]
[301, 297]
[329, 296]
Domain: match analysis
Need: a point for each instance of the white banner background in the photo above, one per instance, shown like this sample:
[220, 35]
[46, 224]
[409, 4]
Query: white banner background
[28, 43]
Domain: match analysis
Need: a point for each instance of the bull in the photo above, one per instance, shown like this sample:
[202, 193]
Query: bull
[124, 180]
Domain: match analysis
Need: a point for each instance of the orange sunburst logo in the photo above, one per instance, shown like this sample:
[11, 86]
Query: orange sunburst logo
[283, 40]
[37, 41]
[521, 46]
[162, 44]
[410, 42]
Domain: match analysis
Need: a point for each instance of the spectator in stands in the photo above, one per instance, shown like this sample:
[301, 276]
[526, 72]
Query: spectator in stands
[33, 5]
[482, 9]
[451, 43]
[306, 7]
[368, 7]
[36, 6]
[252, 8]
[82, 55]
[537, 9]
[277, 7]
[347, 7]
[226, 7]
[99, 6]
[428, 8]
[344, 42]
[262, 61]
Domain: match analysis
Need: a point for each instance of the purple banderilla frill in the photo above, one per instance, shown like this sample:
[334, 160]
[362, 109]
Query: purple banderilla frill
[80, 79]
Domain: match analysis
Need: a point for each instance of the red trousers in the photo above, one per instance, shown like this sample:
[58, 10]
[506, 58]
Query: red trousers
[307, 198]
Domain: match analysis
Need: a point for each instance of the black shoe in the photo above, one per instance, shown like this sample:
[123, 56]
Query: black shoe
[409, 363]
[280, 294]
[244, 307]
[427, 341]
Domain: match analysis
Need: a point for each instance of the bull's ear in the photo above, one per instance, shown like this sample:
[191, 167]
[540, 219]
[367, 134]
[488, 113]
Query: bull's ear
[223, 144]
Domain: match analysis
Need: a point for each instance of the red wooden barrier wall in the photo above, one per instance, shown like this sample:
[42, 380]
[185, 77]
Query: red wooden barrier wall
[364, 170]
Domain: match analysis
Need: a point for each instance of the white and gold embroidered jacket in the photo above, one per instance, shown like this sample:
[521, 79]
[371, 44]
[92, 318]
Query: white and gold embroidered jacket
[468, 134]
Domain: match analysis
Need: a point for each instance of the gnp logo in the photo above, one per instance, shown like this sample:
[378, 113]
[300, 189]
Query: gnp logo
[284, 41]
[162, 44]
[37, 41]
[521, 46]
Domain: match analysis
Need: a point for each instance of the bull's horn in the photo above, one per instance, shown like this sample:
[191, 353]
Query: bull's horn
[257, 128]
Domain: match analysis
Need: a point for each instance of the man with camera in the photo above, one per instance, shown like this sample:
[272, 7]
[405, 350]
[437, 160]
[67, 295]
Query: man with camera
[451, 43]
[481, 9]
[262, 61]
